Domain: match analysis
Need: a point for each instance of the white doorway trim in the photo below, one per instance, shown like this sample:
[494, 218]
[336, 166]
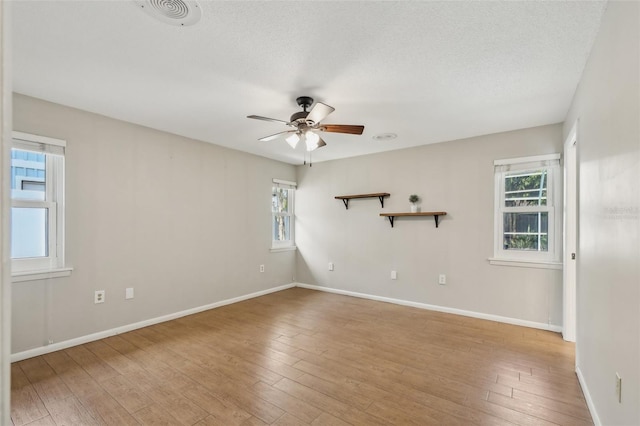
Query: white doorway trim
[569, 270]
[5, 256]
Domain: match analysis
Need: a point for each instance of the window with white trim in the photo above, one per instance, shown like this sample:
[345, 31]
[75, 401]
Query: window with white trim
[282, 222]
[37, 203]
[527, 192]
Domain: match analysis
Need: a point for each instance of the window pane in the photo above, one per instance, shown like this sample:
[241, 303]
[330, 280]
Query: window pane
[526, 231]
[27, 175]
[281, 228]
[280, 200]
[29, 232]
[527, 188]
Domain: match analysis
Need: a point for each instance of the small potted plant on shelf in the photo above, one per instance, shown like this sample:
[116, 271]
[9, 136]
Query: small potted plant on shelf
[413, 199]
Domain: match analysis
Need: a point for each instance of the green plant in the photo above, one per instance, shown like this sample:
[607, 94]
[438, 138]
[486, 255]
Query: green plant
[413, 198]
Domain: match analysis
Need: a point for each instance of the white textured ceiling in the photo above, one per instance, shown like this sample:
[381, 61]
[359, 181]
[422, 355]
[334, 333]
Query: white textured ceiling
[428, 71]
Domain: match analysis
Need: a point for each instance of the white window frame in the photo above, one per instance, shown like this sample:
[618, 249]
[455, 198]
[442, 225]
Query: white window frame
[53, 265]
[549, 259]
[278, 245]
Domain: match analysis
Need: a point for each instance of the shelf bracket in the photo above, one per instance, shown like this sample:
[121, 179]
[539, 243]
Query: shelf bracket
[435, 216]
[391, 220]
[346, 203]
[382, 201]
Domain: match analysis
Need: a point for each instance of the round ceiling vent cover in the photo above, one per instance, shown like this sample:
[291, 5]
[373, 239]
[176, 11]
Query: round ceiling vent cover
[173, 12]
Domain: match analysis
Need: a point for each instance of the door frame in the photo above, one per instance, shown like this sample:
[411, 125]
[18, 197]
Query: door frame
[570, 236]
[5, 247]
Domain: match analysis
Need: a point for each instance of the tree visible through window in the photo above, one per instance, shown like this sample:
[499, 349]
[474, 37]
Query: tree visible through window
[282, 199]
[527, 191]
[526, 231]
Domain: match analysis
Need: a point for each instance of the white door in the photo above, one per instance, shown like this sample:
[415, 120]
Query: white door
[570, 236]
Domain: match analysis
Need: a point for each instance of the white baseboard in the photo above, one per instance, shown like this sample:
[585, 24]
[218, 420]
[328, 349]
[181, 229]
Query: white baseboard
[507, 320]
[587, 397]
[129, 327]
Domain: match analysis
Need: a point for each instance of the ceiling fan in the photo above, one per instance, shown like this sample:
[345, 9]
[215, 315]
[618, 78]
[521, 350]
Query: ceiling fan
[306, 124]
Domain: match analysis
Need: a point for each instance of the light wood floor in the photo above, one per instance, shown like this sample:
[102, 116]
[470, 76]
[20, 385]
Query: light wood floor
[301, 357]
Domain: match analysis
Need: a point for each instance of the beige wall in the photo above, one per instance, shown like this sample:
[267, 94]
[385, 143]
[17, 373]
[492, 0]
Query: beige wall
[185, 223]
[607, 105]
[456, 177]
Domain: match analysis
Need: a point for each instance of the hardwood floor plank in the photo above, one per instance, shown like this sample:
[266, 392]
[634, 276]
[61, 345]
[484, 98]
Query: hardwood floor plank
[127, 393]
[155, 415]
[96, 368]
[18, 378]
[45, 421]
[342, 389]
[69, 411]
[26, 406]
[396, 414]
[221, 412]
[246, 398]
[183, 409]
[47, 384]
[537, 410]
[302, 357]
[290, 404]
[507, 414]
[327, 404]
[326, 419]
[289, 420]
[565, 394]
[576, 409]
[103, 407]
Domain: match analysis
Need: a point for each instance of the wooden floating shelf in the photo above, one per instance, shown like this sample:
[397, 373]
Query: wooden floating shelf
[392, 216]
[379, 195]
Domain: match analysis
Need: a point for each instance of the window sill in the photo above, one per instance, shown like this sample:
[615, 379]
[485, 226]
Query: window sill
[21, 276]
[522, 263]
[279, 249]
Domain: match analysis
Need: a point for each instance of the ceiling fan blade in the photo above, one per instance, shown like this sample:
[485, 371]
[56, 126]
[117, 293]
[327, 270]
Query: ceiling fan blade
[319, 112]
[258, 117]
[342, 128]
[275, 136]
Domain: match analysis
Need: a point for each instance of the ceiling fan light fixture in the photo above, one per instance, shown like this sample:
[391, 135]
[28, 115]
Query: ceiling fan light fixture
[293, 140]
[311, 140]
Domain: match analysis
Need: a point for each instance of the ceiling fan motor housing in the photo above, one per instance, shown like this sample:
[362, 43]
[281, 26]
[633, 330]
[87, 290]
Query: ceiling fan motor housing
[299, 116]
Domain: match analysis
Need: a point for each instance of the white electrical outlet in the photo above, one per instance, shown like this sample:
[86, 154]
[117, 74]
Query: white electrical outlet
[331, 266]
[619, 387]
[394, 275]
[261, 268]
[442, 279]
[98, 296]
[128, 293]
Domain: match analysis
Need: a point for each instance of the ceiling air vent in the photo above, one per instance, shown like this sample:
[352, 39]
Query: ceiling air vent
[173, 12]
